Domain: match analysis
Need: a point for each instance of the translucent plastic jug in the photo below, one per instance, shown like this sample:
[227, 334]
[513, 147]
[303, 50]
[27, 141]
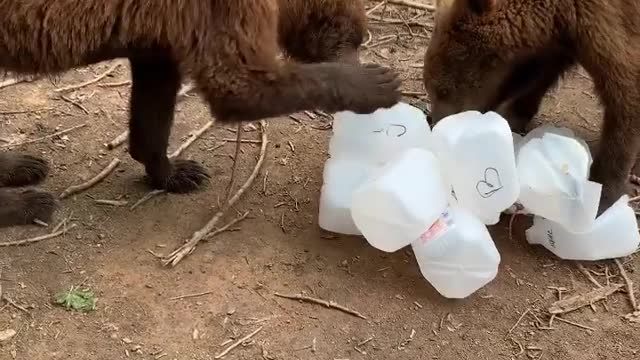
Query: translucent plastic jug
[400, 201]
[359, 144]
[613, 234]
[457, 255]
[553, 169]
[341, 177]
[477, 154]
[377, 137]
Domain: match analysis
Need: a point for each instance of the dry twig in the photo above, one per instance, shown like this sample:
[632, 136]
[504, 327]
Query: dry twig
[58, 133]
[75, 103]
[74, 189]
[412, 4]
[116, 84]
[329, 304]
[586, 273]
[92, 81]
[575, 324]
[37, 238]
[10, 81]
[176, 256]
[119, 140]
[193, 136]
[226, 227]
[234, 167]
[116, 203]
[519, 320]
[629, 283]
[150, 195]
[237, 343]
[14, 304]
[244, 141]
[190, 295]
[579, 301]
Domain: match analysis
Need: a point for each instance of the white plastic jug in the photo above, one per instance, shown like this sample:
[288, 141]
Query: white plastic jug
[613, 234]
[341, 177]
[400, 201]
[360, 144]
[517, 207]
[553, 169]
[378, 137]
[477, 154]
[457, 255]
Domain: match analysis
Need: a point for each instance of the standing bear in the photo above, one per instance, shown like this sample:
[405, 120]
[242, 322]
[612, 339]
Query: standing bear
[504, 55]
[231, 49]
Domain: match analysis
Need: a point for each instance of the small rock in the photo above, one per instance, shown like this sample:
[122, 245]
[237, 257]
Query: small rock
[127, 340]
[7, 335]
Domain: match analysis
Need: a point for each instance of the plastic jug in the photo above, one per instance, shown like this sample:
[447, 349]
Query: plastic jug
[360, 144]
[341, 177]
[477, 155]
[378, 137]
[613, 234]
[457, 255]
[400, 201]
[517, 207]
[553, 169]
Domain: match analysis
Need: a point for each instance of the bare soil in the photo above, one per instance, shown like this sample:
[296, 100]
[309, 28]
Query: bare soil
[278, 248]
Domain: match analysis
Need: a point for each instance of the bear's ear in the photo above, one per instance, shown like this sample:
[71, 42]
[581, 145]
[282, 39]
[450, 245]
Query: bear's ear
[482, 6]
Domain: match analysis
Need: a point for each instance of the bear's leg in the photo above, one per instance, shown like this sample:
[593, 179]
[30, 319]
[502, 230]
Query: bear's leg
[155, 84]
[289, 88]
[22, 207]
[619, 145]
[243, 80]
[19, 169]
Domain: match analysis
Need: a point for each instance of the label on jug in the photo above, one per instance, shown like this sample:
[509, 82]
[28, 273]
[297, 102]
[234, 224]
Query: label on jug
[438, 228]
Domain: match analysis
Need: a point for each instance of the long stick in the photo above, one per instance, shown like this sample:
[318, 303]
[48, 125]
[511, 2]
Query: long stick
[86, 185]
[329, 304]
[412, 4]
[92, 81]
[238, 343]
[38, 238]
[629, 283]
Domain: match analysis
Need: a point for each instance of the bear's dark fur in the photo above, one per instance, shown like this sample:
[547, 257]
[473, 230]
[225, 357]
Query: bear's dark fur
[504, 55]
[229, 48]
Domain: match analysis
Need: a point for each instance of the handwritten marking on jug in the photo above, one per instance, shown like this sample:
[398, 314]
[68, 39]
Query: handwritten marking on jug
[490, 184]
[438, 228]
[550, 239]
[396, 130]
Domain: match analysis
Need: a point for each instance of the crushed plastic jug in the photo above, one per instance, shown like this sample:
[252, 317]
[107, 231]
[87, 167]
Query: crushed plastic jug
[613, 234]
[402, 199]
[553, 169]
[456, 254]
[477, 155]
[360, 144]
[341, 177]
[378, 137]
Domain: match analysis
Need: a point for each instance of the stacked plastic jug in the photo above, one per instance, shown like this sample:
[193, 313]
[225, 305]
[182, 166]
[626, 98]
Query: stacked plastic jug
[553, 168]
[398, 195]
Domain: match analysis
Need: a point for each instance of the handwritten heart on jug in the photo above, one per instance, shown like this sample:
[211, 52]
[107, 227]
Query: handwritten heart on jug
[490, 184]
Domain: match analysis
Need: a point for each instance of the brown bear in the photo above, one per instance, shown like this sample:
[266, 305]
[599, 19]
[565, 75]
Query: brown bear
[229, 48]
[503, 55]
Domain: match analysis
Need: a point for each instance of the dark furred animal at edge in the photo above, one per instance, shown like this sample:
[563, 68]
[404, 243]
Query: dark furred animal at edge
[229, 48]
[504, 55]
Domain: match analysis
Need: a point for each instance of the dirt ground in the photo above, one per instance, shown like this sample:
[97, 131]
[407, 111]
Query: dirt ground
[278, 248]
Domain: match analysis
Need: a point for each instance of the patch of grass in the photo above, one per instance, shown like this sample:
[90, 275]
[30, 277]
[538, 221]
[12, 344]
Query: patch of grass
[76, 299]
